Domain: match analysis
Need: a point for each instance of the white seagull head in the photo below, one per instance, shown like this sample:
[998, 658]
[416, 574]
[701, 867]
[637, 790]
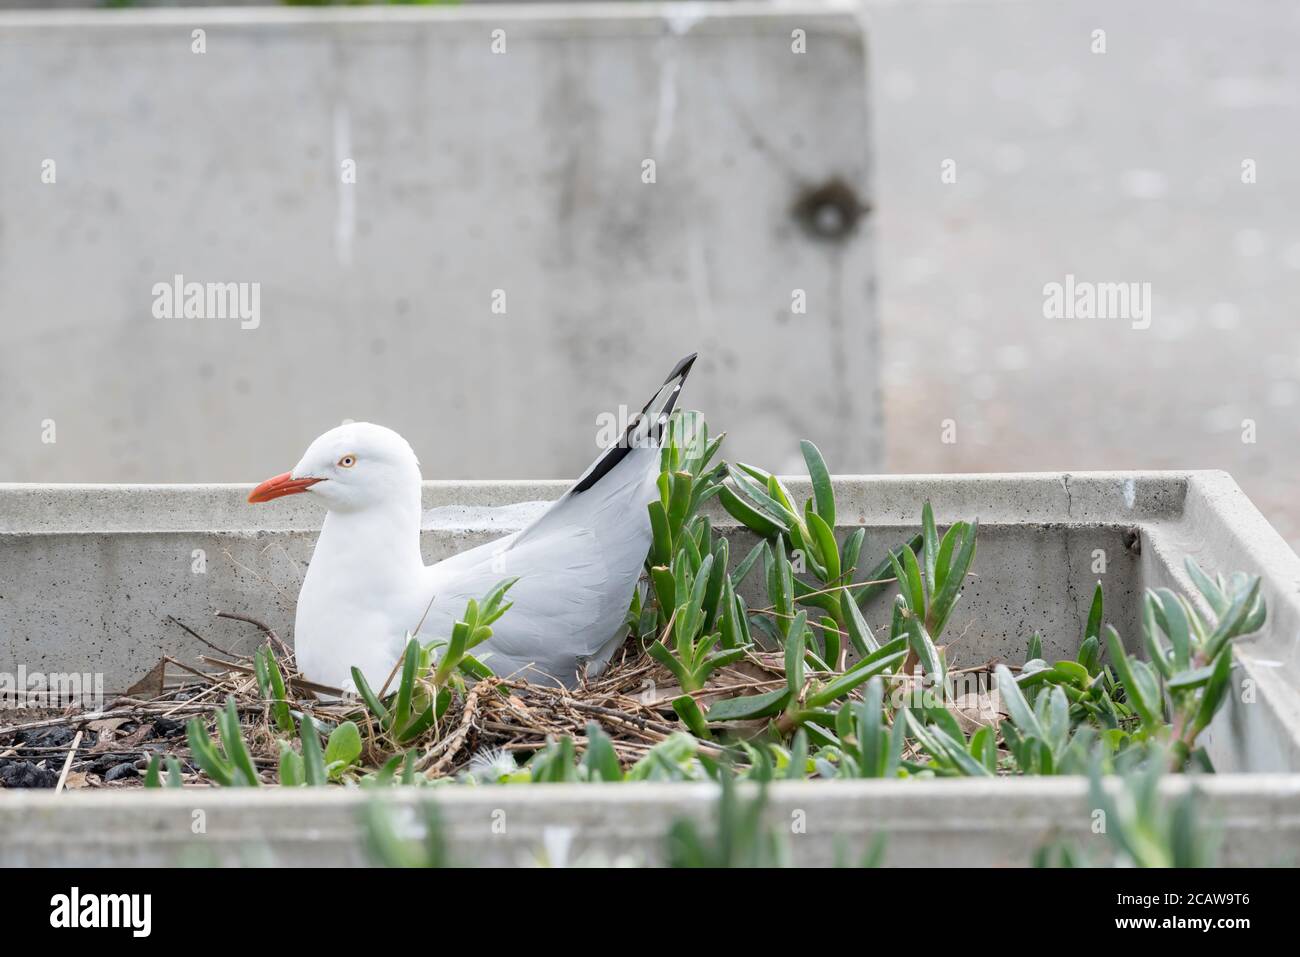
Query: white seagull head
[353, 467]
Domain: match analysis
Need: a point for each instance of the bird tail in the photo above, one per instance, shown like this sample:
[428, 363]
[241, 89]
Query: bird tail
[644, 428]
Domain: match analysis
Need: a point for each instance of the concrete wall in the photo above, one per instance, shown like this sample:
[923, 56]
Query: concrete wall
[91, 576]
[475, 172]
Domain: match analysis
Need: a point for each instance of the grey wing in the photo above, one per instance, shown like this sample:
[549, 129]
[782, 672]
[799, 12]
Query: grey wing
[576, 575]
[577, 564]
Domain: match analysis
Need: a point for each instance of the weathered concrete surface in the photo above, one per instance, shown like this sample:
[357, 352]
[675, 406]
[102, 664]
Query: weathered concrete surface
[931, 823]
[1088, 497]
[475, 172]
[1124, 167]
[90, 575]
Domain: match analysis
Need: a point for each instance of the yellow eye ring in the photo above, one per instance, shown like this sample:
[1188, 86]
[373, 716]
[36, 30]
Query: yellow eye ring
[347, 461]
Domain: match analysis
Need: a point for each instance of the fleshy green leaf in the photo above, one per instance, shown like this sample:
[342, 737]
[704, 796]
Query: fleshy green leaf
[601, 761]
[344, 745]
[1143, 692]
[929, 547]
[689, 711]
[823, 493]
[1022, 716]
[313, 760]
[292, 773]
[750, 707]
[1093, 628]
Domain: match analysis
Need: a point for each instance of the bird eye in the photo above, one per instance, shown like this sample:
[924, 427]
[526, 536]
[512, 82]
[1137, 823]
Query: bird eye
[348, 461]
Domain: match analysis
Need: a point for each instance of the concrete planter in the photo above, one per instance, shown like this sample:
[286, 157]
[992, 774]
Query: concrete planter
[90, 574]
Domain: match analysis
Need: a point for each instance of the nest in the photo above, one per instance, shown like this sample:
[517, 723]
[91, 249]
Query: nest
[631, 702]
[111, 748]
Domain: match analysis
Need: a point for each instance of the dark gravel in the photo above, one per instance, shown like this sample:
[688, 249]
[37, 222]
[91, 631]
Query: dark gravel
[107, 762]
[57, 737]
[167, 727]
[24, 774]
[125, 770]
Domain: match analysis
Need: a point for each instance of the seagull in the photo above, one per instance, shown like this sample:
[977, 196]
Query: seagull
[367, 588]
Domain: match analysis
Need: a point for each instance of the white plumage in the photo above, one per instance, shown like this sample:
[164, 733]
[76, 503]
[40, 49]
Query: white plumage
[367, 586]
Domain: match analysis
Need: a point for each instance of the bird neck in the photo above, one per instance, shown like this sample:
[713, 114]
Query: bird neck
[381, 542]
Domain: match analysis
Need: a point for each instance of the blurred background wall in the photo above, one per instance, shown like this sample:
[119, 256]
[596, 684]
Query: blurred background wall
[1122, 166]
[1012, 144]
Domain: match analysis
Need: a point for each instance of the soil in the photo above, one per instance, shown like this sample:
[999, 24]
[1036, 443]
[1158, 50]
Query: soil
[110, 752]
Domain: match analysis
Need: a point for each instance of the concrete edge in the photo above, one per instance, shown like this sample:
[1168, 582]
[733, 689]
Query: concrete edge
[996, 498]
[823, 16]
[924, 822]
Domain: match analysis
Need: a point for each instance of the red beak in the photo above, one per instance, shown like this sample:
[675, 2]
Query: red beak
[280, 486]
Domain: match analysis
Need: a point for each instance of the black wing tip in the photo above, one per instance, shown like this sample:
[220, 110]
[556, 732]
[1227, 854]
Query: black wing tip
[682, 368]
[615, 454]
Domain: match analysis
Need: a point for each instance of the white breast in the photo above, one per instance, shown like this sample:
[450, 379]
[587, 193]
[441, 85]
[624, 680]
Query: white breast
[355, 608]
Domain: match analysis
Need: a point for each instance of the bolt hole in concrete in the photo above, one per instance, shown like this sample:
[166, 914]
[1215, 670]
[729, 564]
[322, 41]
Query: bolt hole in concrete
[829, 211]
